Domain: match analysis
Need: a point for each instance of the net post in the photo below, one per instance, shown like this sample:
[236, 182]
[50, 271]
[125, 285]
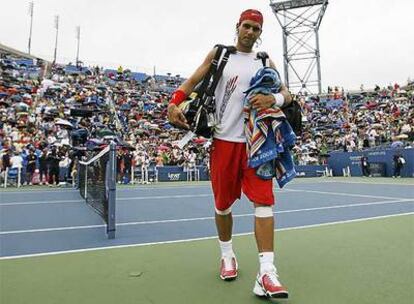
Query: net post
[111, 190]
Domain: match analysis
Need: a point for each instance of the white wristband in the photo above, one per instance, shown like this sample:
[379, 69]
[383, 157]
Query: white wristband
[279, 99]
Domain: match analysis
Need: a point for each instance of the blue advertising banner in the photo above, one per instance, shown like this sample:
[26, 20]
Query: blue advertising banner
[175, 173]
[310, 170]
[381, 162]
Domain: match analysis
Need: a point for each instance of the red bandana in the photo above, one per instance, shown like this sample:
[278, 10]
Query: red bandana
[252, 15]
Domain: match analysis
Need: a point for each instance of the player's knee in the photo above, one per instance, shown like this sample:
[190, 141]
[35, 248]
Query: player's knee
[263, 211]
[223, 212]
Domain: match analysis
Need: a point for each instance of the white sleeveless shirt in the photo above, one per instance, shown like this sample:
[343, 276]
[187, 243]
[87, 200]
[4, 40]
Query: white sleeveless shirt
[240, 69]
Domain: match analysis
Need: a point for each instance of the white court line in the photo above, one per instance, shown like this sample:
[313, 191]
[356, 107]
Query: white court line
[342, 193]
[199, 239]
[120, 189]
[368, 183]
[42, 202]
[197, 195]
[137, 198]
[164, 196]
[37, 191]
[203, 184]
[197, 218]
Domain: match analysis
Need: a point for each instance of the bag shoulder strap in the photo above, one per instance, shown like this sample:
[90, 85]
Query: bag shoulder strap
[211, 71]
[219, 72]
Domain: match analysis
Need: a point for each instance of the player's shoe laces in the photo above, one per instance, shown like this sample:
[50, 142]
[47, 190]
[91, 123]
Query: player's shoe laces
[228, 268]
[267, 284]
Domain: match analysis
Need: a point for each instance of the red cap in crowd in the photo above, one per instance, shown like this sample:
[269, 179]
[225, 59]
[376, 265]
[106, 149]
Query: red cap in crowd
[253, 15]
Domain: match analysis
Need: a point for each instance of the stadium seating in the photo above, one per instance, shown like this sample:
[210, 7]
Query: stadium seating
[76, 106]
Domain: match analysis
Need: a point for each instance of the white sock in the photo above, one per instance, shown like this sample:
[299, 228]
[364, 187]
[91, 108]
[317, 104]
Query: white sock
[266, 260]
[226, 249]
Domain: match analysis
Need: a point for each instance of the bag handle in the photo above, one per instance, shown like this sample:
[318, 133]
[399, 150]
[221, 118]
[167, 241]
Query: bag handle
[264, 57]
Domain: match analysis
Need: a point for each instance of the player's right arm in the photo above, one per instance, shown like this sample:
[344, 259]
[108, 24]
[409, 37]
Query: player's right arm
[175, 116]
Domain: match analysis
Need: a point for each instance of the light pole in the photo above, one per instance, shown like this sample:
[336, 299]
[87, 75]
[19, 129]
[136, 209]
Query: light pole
[77, 37]
[31, 6]
[56, 41]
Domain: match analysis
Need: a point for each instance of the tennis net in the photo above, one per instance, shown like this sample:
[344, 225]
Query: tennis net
[97, 184]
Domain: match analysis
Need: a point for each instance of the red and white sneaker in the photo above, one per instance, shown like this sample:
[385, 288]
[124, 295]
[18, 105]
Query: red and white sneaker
[268, 285]
[228, 268]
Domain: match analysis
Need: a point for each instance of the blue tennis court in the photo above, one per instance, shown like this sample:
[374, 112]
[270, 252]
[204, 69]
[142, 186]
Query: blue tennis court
[55, 221]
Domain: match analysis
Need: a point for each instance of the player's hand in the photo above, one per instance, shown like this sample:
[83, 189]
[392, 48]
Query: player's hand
[176, 117]
[261, 102]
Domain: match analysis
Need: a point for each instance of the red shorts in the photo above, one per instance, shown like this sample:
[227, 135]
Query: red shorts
[230, 175]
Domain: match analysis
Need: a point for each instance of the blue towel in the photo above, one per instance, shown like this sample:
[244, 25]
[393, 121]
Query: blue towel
[268, 133]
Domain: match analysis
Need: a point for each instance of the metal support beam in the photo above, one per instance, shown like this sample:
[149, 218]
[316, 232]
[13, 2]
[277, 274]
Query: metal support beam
[318, 60]
[300, 21]
[287, 5]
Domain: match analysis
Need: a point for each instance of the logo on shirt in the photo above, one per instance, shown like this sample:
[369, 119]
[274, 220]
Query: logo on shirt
[230, 87]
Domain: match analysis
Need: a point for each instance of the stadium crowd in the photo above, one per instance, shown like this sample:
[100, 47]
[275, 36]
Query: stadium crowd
[355, 121]
[47, 122]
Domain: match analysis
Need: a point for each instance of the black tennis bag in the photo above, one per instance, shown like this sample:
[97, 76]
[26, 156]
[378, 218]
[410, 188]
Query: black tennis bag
[293, 111]
[199, 110]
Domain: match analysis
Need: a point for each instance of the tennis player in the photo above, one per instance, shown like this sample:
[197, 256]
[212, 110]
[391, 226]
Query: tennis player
[230, 174]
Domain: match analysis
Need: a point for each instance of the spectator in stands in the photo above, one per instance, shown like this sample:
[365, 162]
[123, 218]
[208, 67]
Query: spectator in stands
[31, 166]
[192, 157]
[6, 163]
[349, 143]
[62, 136]
[159, 160]
[43, 167]
[119, 165]
[30, 106]
[53, 160]
[16, 161]
[126, 174]
[399, 163]
[365, 166]
[64, 165]
[145, 168]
